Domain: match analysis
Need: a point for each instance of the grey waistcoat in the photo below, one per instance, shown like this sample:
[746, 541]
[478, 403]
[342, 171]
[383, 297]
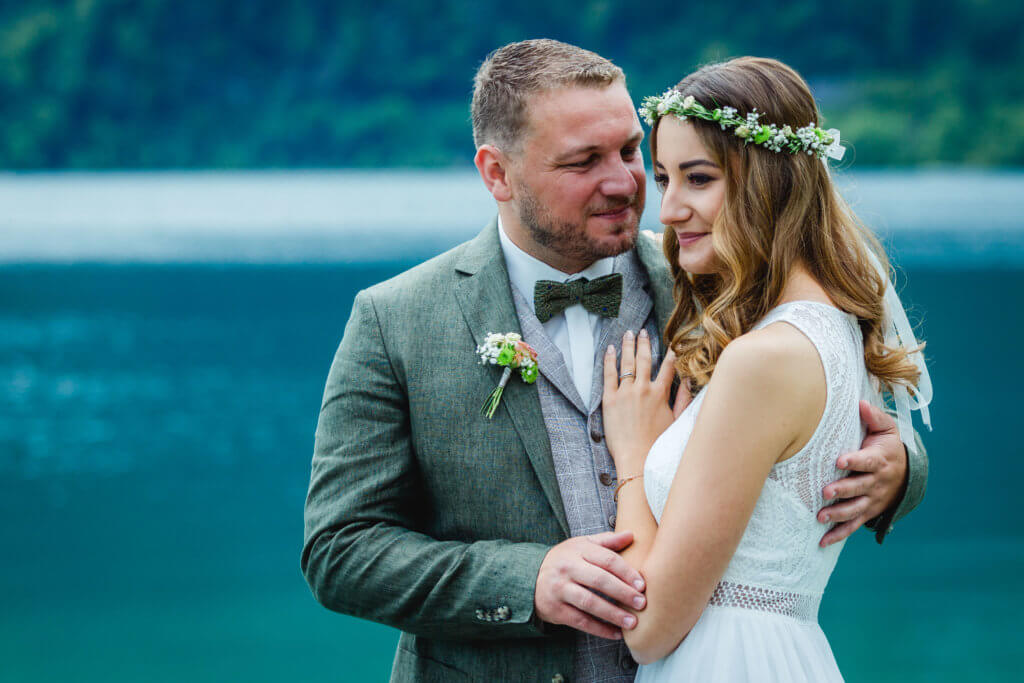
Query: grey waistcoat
[584, 468]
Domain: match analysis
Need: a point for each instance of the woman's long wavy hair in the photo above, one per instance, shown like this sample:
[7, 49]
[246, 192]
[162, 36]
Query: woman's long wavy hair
[780, 210]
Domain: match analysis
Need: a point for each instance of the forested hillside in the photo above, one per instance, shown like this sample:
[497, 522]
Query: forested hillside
[100, 84]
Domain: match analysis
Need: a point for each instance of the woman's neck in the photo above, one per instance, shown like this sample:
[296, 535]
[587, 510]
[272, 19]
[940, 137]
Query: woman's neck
[802, 286]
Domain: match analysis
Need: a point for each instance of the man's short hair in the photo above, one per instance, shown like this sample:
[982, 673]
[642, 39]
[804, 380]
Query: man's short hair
[511, 74]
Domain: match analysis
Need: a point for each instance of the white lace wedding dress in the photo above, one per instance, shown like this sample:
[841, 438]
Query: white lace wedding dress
[761, 622]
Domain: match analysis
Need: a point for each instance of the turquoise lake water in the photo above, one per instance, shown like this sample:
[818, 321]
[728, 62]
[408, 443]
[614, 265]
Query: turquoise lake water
[155, 433]
[156, 428]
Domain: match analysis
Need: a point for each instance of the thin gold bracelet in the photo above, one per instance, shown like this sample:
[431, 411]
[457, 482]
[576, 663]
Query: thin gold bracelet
[623, 482]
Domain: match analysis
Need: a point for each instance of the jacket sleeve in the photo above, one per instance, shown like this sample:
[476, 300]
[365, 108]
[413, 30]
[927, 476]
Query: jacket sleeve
[362, 554]
[913, 494]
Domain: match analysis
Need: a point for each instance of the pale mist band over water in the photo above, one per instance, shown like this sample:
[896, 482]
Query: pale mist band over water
[954, 217]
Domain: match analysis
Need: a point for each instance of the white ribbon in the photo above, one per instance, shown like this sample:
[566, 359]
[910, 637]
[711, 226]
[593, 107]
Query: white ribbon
[834, 150]
[898, 333]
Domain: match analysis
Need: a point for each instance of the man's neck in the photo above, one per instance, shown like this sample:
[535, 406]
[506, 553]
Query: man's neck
[520, 237]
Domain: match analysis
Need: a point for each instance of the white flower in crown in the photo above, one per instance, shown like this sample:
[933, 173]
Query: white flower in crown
[667, 100]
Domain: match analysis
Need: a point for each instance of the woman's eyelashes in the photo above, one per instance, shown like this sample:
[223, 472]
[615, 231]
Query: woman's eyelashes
[694, 179]
[698, 179]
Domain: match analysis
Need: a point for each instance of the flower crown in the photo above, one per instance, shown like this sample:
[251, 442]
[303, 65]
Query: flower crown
[810, 138]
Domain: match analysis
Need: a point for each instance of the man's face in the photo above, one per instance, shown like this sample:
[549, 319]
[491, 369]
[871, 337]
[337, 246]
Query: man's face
[578, 182]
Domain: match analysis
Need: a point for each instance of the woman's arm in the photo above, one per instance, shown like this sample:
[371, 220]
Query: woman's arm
[765, 399]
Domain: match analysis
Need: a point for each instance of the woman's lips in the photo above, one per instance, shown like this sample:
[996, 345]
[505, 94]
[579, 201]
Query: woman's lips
[688, 238]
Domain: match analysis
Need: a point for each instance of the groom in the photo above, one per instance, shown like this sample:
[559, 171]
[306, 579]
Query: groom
[484, 539]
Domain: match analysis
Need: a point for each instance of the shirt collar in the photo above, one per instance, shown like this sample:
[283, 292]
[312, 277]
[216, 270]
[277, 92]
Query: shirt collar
[524, 270]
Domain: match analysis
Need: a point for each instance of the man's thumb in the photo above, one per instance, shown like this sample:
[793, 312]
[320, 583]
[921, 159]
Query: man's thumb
[875, 419]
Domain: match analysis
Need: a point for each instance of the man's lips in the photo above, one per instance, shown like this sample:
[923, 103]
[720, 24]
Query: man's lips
[616, 214]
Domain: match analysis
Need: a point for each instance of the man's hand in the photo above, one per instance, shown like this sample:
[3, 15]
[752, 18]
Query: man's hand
[878, 473]
[573, 569]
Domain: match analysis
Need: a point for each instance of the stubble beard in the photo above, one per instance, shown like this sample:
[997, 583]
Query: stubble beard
[570, 240]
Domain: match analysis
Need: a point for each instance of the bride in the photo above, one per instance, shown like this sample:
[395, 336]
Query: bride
[782, 319]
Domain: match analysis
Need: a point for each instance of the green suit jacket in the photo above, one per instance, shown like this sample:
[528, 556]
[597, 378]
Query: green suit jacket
[421, 513]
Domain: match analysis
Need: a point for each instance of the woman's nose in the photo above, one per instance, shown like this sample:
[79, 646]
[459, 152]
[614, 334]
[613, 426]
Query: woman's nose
[674, 208]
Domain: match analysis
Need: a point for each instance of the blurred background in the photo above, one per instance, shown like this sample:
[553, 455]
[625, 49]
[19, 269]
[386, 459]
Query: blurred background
[193, 192]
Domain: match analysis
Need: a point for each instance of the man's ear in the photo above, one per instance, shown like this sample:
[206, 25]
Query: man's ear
[493, 167]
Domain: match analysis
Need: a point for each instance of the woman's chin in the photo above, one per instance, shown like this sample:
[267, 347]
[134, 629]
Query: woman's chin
[697, 264]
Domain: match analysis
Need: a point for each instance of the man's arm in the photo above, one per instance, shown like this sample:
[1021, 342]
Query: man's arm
[885, 484]
[362, 555]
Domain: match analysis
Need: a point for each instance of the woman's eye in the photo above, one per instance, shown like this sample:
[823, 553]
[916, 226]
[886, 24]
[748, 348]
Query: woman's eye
[661, 181]
[699, 179]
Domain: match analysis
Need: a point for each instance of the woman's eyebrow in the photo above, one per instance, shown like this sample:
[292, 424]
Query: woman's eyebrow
[696, 162]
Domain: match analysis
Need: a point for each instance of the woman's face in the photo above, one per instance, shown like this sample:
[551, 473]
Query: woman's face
[693, 189]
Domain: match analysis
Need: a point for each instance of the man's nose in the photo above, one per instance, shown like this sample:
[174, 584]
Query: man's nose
[619, 181]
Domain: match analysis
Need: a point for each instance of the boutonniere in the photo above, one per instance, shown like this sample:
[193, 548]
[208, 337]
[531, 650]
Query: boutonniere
[511, 352]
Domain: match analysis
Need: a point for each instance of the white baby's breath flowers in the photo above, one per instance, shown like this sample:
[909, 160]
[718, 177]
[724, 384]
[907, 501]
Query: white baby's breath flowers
[810, 139]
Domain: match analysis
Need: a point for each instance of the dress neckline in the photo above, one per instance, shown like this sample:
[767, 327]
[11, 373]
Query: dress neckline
[819, 304]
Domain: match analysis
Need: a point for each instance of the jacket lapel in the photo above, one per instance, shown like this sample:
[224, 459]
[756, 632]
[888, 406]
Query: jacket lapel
[633, 312]
[485, 296]
[550, 360]
[659, 278]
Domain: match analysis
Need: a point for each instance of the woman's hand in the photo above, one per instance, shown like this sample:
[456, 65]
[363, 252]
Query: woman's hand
[636, 409]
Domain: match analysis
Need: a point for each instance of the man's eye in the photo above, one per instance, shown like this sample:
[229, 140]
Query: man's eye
[630, 152]
[582, 164]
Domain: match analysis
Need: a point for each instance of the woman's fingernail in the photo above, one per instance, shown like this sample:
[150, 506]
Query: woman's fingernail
[643, 334]
[629, 334]
[610, 350]
[639, 583]
[629, 622]
[638, 602]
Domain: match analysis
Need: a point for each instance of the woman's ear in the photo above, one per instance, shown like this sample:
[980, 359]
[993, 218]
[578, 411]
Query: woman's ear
[492, 165]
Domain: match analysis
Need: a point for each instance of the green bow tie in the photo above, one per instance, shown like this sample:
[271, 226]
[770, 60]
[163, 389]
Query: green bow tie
[601, 296]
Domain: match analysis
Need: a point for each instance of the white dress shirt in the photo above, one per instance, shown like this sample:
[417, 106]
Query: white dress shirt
[575, 331]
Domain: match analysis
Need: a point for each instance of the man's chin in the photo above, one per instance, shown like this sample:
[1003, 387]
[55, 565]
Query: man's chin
[618, 242]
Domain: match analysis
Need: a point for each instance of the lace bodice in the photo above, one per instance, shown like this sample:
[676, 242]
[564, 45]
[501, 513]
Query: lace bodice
[778, 566]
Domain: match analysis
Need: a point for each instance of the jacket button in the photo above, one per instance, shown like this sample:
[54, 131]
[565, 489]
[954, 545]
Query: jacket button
[611, 520]
[627, 663]
[606, 479]
[595, 435]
